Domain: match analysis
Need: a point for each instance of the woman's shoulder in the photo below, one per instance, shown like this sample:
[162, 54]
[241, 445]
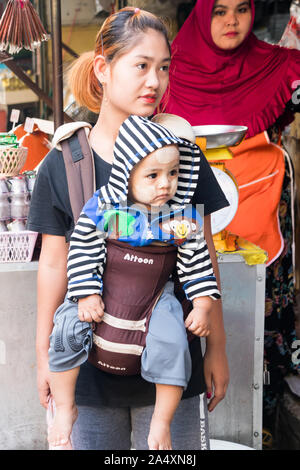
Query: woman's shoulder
[52, 169]
[51, 175]
[62, 133]
[52, 163]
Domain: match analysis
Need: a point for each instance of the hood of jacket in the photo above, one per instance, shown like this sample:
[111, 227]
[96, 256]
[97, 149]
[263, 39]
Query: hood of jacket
[137, 138]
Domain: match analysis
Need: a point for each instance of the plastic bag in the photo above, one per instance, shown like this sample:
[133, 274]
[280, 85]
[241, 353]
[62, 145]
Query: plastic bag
[291, 35]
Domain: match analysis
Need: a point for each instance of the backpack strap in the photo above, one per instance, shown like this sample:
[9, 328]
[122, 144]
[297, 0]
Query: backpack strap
[79, 163]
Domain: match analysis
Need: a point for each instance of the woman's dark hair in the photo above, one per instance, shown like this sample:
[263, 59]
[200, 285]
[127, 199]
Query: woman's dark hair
[118, 34]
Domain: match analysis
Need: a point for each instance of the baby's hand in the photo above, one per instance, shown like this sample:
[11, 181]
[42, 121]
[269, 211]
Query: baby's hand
[198, 319]
[91, 308]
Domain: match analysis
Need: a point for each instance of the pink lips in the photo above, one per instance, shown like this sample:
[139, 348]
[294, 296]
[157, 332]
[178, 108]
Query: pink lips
[231, 34]
[162, 196]
[149, 98]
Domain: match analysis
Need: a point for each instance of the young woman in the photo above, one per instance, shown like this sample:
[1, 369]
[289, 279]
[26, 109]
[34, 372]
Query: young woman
[126, 74]
[222, 74]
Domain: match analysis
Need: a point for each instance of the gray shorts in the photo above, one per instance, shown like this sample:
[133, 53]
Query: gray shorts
[165, 359]
[107, 428]
[70, 340]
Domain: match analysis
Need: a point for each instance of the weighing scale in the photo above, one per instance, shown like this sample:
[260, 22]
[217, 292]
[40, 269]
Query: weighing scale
[214, 141]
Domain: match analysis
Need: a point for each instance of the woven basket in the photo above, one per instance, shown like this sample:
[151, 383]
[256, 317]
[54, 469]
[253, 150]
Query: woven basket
[17, 247]
[12, 160]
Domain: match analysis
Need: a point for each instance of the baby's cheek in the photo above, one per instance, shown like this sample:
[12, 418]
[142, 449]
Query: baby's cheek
[143, 190]
[174, 186]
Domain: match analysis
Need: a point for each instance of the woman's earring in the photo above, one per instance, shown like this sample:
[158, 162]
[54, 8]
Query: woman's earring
[104, 99]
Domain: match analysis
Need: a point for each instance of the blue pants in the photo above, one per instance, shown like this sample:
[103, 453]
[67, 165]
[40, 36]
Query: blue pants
[165, 359]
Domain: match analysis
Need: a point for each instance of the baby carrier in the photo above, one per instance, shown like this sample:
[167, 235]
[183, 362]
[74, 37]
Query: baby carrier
[119, 340]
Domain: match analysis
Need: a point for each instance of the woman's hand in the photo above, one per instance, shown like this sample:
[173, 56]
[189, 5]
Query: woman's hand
[43, 381]
[216, 373]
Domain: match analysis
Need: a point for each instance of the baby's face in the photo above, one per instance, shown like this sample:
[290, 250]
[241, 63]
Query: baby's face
[153, 181]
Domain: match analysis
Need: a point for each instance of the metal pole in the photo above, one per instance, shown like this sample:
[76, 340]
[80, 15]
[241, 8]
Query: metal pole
[57, 70]
[43, 56]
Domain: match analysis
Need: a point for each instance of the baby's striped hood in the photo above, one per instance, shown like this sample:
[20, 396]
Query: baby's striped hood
[137, 138]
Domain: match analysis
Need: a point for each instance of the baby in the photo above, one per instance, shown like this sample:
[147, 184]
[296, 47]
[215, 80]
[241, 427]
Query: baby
[153, 169]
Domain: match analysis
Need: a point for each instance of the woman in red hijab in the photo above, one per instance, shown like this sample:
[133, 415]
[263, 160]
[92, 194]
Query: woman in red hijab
[246, 81]
[222, 74]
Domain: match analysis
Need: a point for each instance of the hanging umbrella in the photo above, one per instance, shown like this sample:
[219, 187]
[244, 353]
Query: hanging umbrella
[21, 27]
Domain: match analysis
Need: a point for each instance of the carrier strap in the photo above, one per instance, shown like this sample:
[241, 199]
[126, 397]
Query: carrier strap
[79, 164]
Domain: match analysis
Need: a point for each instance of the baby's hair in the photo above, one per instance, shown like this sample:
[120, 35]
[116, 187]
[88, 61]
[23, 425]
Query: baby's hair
[117, 36]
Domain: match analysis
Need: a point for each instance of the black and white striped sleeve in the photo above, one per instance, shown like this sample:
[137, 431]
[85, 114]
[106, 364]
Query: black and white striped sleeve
[195, 270]
[86, 259]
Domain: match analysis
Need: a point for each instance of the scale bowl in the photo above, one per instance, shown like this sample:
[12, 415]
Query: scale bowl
[219, 136]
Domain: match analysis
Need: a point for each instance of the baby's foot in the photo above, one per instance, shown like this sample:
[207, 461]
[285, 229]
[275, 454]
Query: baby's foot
[59, 431]
[159, 435]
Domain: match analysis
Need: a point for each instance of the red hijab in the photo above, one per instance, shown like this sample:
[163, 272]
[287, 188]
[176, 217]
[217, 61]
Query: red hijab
[249, 85]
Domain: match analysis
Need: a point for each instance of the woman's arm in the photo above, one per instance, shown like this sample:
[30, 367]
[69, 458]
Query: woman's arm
[51, 290]
[215, 360]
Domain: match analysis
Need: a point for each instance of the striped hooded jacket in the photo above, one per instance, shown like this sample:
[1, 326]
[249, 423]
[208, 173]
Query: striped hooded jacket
[108, 214]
